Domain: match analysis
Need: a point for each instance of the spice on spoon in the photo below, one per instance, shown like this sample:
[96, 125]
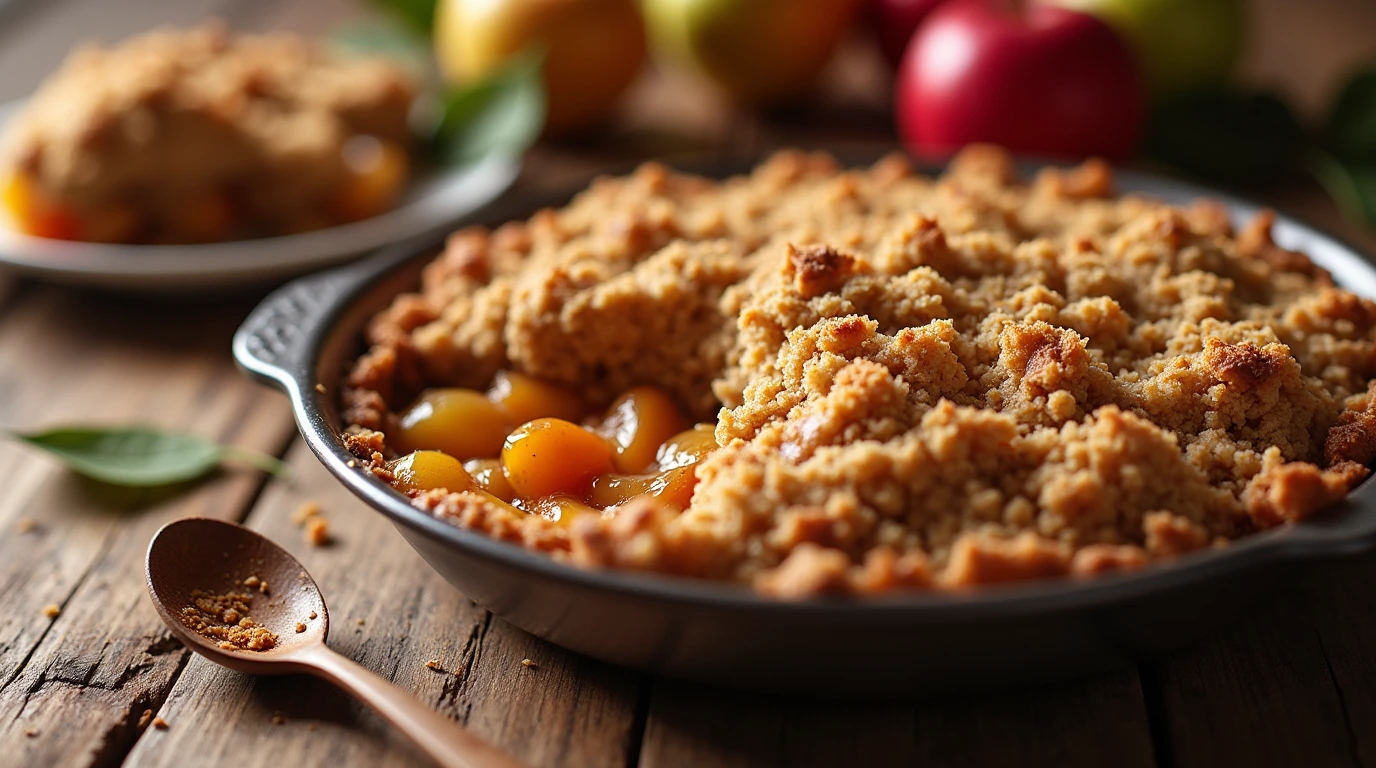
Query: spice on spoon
[225, 618]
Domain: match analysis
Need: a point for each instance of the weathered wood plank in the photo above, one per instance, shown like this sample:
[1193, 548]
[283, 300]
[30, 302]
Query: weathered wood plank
[1098, 721]
[689, 725]
[1339, 598]
[78, 683]
[564, 710]
[1258, 693]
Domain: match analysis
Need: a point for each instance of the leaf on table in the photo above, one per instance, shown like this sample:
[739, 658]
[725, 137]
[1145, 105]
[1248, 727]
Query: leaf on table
[503, 114]
[1226, 136]
[392, 40]
[1351, 130]
[140, 457]
[1351, 183]
[418, 15]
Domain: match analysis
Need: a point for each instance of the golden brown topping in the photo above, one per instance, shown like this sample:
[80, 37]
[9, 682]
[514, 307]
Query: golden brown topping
[1255, 241]
[818, 269]
[1353, 438]
[984, 560]
[977, 381]
[1169, 534]
[1092, 178]
[1243, 365]
[1297, 490]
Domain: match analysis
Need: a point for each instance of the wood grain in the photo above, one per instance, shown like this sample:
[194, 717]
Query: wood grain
[79, 683]
[1258, 693]
[392, 613]
[1097, 721]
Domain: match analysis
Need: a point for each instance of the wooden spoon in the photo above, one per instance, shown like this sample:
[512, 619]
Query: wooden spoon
[218, 557]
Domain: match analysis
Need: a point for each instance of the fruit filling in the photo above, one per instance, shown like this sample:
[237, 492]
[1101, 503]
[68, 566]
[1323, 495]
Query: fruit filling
[536, 447]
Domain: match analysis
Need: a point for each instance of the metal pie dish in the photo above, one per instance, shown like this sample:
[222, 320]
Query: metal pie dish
[305, 336]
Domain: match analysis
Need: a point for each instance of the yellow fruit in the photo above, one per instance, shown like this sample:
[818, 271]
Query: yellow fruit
[428, 470]
[673, 488]
[461, 422]
[637, 423]
[561, 509]
[593, 49]
[551, 457]
[526, 398]
[487, 473]
[687, 447]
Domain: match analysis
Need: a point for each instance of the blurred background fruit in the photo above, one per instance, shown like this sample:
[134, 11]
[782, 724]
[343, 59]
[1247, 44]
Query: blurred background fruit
[894, 22]
[1040, 80]
[758, 51]
[1181, 45]
[592, 49]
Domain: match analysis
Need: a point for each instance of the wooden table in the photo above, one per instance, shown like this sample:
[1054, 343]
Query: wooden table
[1293, 684]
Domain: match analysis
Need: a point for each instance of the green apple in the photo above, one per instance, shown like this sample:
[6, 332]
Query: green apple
[759, 51]
[1181, 45]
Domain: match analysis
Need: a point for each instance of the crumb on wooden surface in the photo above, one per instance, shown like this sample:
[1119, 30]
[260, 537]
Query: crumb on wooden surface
[24, 525]
[160, 723]
[360, 622]
[145, 718]
[317, 532]
[31, 732]
[300, 627]
[305, 511]
[279, 718]
[435, 665]
[52, 610]
[320, 388]
[528, 664]
[313, 615]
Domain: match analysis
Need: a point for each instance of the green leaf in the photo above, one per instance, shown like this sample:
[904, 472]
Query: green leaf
[399, 43]
[1226, 136]
[501, 114]
[1351, 129]
[418, 15]
[140, 457]
[1352, 184]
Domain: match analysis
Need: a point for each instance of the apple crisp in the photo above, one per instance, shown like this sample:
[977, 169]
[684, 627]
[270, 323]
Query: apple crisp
[201, 135]
[916, 383]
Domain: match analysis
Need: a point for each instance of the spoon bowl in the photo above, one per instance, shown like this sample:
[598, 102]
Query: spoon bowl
[217, 557]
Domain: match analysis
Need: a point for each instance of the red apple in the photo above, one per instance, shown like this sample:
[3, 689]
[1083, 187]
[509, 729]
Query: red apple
[1037, 79]
[895, 21]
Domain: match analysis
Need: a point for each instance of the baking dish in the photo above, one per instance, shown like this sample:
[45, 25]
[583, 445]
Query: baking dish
[303, 337]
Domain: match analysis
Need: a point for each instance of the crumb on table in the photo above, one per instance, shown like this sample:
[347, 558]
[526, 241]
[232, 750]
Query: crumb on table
[24, 525]
[305, 511]
[528, 664]
[160, 723]
[52, 610]
[317, 532]
[279, 718]
[145, 718]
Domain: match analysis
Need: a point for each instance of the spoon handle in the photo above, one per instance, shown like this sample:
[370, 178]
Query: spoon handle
[450, 744]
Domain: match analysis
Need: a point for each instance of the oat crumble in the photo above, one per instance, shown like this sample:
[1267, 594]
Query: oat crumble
[917, 383]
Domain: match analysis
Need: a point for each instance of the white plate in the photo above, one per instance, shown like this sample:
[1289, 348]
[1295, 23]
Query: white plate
[429, 205]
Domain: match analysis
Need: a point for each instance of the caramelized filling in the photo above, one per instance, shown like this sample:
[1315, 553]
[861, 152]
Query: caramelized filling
[540, 448]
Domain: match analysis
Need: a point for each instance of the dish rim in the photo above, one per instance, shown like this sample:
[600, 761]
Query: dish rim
[1348, 528]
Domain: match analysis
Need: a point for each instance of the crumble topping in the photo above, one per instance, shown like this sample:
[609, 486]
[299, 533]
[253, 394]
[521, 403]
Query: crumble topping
[917, 383]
